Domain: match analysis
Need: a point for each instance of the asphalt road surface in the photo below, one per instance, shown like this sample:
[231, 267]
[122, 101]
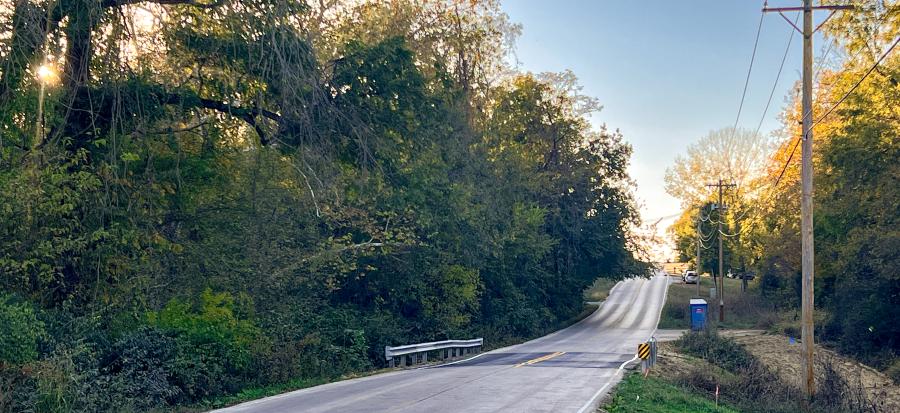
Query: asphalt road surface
[567, 371]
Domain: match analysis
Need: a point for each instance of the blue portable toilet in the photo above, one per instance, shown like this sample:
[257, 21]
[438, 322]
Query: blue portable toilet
[698, 314]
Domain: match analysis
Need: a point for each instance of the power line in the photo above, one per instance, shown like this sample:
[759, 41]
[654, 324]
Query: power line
[787, 49]
[774, 85]
[824, 57]
[704, 237]
[859, 82]
[840, 101]
[749, 71]
[820, 119]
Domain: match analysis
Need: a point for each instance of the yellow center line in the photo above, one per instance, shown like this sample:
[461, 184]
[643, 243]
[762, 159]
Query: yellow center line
[540, 359]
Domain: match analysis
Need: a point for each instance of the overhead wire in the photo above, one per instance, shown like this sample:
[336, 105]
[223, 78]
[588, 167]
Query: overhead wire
[762, 118]
[856, 85]
[768, 104]
[830, 110]
[749, 72]
[705, 237]
[787, 50]
[821, 118]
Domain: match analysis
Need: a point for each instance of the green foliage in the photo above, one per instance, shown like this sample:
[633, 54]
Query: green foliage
[235, 213]
[141, 367]
[213, 327]
[455, 298]
[856, 210]
[48, 224]
[857, 229]
[21, 331]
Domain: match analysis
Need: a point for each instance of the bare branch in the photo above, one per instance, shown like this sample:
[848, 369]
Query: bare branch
[195, 3]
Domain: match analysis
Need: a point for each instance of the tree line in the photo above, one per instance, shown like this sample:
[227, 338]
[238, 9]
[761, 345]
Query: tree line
[199, 197]
[856, 197]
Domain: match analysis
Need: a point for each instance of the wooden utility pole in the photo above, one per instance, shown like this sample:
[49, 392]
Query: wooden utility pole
[721, 208]
[721, 266]
[699, 240]
[806, 187]
[807, 331]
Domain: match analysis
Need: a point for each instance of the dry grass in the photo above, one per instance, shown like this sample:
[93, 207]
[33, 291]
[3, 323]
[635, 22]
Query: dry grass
[840, 375]
[743, 310]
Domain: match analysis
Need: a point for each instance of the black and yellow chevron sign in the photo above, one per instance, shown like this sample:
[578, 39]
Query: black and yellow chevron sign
[644, 350]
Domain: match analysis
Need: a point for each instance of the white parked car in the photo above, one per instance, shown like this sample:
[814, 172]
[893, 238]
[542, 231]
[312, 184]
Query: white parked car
[690, 277]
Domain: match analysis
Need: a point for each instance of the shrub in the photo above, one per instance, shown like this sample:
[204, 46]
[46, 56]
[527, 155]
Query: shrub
[746, 381]
[20, 329]
[214, 327]
[722, 352]
[676, 313]
[140, 368]
[213, 346]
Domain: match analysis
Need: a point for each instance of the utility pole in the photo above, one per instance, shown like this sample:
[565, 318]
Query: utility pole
[806, 186]
[721, 273]
[699, 240]
[721, 208]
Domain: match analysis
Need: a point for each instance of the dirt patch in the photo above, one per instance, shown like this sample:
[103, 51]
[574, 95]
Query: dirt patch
[782, 357]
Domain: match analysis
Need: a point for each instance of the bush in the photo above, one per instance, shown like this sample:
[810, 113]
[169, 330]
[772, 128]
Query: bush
[213, 328]
[213, 347]
[20, 329]
[720, 351]
[676, 313]
[140, 368]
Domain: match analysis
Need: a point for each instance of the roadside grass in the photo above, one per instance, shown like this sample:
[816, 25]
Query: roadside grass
[652, 394]
[743, 310]
[599, 290]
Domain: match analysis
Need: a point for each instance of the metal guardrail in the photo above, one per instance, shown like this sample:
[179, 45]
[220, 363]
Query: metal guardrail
[448, 349]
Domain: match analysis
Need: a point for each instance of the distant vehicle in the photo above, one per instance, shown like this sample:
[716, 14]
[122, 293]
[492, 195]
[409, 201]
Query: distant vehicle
[690, 277]
[743, 275]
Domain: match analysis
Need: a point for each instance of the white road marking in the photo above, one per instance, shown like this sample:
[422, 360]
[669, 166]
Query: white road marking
[599, 392]
[590, 402]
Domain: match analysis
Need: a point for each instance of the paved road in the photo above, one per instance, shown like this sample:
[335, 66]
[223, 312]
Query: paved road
[565, 371]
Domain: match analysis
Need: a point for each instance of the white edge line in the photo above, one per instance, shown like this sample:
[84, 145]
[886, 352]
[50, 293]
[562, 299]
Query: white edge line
[536, 338]
[454, 362]
[590, 402]
[659, 315]
[599, 392]
[244, 405]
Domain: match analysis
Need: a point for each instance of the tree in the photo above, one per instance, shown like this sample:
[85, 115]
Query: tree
[233, 194]
[855, 197]
[736, 156]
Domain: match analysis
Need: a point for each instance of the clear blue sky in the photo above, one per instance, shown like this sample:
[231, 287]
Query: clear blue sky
[666, 71]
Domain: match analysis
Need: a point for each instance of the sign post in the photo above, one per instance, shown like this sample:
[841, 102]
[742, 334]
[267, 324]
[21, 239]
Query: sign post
[644, 354]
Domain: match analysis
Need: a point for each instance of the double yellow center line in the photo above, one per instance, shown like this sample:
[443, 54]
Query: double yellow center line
[540, 359]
